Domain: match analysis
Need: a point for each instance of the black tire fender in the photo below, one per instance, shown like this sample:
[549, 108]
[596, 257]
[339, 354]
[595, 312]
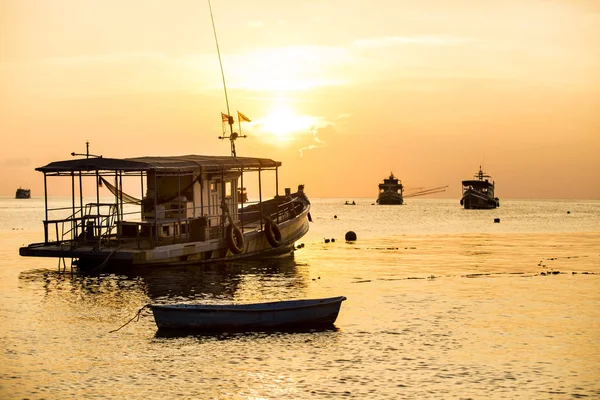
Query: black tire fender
[273, 233]
[235, 239]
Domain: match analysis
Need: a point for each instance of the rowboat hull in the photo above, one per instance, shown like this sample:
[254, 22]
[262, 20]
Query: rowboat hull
[309, 313]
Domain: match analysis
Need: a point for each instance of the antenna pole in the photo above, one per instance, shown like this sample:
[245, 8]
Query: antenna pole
[232, 135]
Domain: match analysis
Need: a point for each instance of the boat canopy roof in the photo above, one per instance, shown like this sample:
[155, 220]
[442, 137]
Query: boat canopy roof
[172, 164]
[477, 183]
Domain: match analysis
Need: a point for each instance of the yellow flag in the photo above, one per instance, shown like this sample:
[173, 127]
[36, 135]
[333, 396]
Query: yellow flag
[242, 117]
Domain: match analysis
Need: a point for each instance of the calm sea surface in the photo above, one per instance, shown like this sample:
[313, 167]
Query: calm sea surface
[443, 303]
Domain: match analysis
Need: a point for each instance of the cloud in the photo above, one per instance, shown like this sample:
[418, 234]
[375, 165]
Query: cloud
[426, 40]
[317, 142]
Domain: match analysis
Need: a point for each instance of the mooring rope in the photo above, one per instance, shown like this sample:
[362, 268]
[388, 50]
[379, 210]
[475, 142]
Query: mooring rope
[137, 315]
[103, 263]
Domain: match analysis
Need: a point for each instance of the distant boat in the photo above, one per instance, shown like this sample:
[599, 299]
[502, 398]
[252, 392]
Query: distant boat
[23, 193]
[288, 314]
[478, 193]
[390, 191]
[350, 203]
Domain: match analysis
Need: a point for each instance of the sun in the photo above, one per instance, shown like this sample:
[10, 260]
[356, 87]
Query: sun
[283, 124]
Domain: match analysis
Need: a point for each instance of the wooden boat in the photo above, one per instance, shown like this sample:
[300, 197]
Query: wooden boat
[289, 314]
[191, 212]
[23, 193]
[478, 193]
[390, 191]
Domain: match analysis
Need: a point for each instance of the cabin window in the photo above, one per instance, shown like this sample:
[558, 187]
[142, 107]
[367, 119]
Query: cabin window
[228, 189]
[213, 186]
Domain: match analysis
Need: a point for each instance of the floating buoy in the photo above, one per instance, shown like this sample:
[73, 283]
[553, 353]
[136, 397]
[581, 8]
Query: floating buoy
[332, 240]
[496, 220]
[568, 212]
[335, 216]
[350, 236]
[326, 240]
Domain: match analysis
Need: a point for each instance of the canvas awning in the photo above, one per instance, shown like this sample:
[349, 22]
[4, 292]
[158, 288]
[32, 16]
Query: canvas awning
[191, 163]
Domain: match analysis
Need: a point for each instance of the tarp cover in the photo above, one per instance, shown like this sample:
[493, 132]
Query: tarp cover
[174, 163]
[477, 183]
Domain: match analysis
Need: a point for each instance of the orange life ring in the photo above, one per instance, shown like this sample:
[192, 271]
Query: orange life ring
[235, 239]
[272, 233]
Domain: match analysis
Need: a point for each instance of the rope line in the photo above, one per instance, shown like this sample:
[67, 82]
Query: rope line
[137, 315]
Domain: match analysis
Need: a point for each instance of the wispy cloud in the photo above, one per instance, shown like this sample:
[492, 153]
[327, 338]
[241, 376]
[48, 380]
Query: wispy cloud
[425, 40]
[317, 142]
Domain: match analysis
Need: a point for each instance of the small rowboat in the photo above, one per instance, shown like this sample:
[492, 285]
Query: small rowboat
[309, 313]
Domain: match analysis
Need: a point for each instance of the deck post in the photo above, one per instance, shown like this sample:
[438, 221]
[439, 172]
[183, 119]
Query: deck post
[178, 205]
[155, 208]
[142, 187]
[98, 198]
[260, 197]
[73, 222]
[120, 196]
[81, 197]
[117, 188]
[45, 208]
[276, 181]
[223, 198]
[241, 201]
[201, 182]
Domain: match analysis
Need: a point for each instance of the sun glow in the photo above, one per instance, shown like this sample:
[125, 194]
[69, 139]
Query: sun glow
[282, 123]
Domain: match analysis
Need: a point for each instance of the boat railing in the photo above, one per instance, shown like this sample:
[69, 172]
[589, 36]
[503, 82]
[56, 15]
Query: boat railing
[279, 210]
[106, 225]
[288, 210]
[82, 226]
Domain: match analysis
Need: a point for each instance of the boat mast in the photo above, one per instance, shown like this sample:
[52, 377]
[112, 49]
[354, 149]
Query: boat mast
[87, 152]
[232, 135]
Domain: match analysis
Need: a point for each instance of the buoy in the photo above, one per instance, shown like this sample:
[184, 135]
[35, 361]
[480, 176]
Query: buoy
[332, 240]
[326, 240]
[335, 216]
[496, 220]
[568, 212]
[350, 236]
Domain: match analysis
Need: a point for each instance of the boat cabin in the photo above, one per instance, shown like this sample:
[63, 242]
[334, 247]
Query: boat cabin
[185, 199]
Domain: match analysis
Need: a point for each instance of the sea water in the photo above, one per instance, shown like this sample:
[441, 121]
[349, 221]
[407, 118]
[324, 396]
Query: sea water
[442, 303]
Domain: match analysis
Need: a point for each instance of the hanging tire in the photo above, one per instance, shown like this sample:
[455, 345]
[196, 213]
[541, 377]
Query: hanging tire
[235, 239]
[272, 233]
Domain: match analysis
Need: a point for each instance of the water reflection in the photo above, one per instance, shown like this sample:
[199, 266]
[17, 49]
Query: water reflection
[242, 281]
[274, 333]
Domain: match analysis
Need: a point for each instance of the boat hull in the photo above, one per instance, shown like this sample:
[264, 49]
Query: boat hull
[310, 313]
[256, 244]
[474, 200]
[391, 198]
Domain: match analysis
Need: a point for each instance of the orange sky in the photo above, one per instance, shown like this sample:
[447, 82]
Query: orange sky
[341, 92]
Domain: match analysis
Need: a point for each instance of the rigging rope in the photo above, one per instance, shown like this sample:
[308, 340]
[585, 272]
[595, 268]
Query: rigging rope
[137, 315]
